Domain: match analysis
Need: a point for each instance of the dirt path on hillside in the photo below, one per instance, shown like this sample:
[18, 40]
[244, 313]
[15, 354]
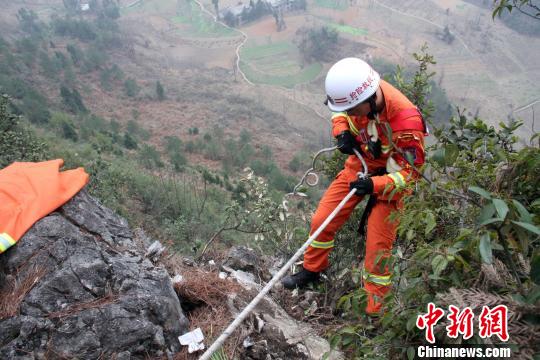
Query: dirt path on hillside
[425, 20]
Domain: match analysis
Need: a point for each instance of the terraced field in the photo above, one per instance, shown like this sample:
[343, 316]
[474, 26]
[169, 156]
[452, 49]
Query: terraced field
[276, 64]
[347, 29]
[199, 24]
[152, 6]
[332, 4]
[487, 67]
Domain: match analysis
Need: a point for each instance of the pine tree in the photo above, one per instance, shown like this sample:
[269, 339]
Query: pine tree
[160, 91]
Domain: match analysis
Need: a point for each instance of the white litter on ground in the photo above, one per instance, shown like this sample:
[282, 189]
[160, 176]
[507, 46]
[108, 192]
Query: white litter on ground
[193, 339]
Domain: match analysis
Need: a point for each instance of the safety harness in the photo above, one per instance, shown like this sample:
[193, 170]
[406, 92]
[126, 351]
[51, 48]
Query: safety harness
[401, 121]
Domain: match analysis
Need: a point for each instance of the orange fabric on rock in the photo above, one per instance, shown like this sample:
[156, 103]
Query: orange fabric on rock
[30, 191]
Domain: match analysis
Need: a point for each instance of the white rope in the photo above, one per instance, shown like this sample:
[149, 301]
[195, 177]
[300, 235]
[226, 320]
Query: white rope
[221, 339]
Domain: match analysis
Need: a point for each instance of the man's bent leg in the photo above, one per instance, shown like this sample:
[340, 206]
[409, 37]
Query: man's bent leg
[381, 233]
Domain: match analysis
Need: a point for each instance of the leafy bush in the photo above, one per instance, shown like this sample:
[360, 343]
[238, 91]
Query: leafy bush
[131, 88]
[160, 91]
[317, 44]
[50, 67]
[29, 22]
[129, 142]
[95, 58]
[150, 157]
[64, 124]
[79, 29]
[108, 75]
[77, 55]
[72, 100]
[16, 142]
[28, 48]
[35, 108]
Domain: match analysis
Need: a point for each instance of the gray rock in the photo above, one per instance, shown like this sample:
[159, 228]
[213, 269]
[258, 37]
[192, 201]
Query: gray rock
[243, 258]
[284, 337]
[92, 293]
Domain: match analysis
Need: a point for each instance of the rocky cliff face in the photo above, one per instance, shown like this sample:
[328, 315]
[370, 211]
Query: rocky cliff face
[78, 285]
[81, 285]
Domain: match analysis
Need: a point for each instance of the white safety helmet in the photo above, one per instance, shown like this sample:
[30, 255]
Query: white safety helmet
[349, 82]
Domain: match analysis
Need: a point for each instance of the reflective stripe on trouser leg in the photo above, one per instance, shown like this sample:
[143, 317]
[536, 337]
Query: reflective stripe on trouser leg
[322, 244]
[381, 234]
[383, 280]
[6, 242]
[316, 255]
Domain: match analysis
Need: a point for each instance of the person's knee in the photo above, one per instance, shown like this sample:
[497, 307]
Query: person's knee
[317, 220]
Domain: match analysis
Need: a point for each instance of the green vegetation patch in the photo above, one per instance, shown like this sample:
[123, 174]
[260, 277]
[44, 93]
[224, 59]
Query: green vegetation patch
[349, 29]
[199, 23]
[181, 19]
[276, 64]
[332, 4]
[262, 51]
[307, 74]
[149, 6]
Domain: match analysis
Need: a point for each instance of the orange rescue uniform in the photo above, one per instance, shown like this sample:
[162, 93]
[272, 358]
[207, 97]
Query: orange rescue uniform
[408, 135]
[30, 191]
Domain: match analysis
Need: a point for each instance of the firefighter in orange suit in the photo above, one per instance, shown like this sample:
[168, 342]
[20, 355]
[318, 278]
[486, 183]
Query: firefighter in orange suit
[363, 105]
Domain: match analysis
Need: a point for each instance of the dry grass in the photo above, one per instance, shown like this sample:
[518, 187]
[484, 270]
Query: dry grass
[16, 289]
[210, 297]
[78, 307]
[200, 286]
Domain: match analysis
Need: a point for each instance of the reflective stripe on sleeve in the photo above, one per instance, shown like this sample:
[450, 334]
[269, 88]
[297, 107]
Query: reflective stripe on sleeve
[398, 179]
[353, 128]
[386, 148]
[338, 114]
[6, 242]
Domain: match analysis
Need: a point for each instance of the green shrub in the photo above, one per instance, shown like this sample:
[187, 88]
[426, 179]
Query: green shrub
[108, 75]
[129, 142]
[28, 48]
[64, 123]
[131, 88]
[29, 22]
[35, 109]
[150, 157]
[16, 142]
[80, 29]
[317, 44]
[50, 67]
[160, 91]
[77, 55]
[72, 100]
[95, 58]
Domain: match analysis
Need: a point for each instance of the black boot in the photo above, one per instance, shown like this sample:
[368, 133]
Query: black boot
[300, 279]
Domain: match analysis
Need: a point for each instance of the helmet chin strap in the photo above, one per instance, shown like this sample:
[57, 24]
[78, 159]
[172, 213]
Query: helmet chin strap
[373, 117]
[373, 105]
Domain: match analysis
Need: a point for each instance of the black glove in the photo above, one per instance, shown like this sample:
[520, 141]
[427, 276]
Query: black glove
[374, 148]
[346, 142]
[362, 186]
